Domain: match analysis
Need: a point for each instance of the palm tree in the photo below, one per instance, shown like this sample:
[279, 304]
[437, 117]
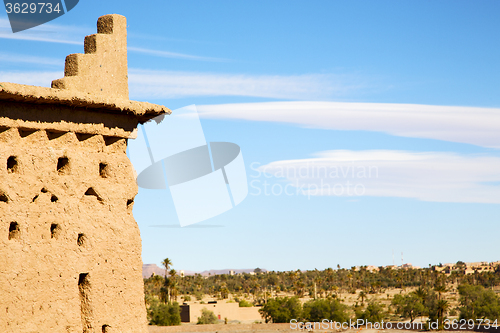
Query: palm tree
[421, 293]
[334, 291]
[442, 307]
[362, 295]
[440, 288]
[166, 263]
[173, 285]
[224, 291]
[317, 285]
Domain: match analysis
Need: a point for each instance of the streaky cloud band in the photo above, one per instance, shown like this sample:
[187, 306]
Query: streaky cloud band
[470, 125]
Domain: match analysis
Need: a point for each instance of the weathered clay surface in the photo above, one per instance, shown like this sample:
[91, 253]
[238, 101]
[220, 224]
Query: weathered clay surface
[108, 104]
[103, 68]
[70, 249]
[60, 118]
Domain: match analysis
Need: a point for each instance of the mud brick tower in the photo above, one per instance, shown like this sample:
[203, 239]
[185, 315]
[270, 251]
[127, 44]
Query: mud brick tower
[70, 249]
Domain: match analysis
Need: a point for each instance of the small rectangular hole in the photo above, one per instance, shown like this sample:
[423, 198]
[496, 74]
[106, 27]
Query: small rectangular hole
[130, 204]
[103, 170]
[4, 197]
[14, 231]
[84, 287]
[82, 279]
[55, 230]
[63, 165]
[12, 164]
[81, 240]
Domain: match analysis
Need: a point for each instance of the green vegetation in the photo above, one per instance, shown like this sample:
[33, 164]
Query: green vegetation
[409, 306]
[165, 314]
[424, 293]
[165, 291]
[478, 303]
[329, 282]
[245, 304]
[207, 317]
[373, 313]
[424, 301]
[330, 308]
[159, 292]
[281, 310]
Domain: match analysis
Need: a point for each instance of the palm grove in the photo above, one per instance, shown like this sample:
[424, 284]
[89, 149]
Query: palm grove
[316, 295]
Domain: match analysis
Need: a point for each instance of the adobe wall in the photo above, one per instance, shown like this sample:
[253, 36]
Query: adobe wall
[231, 311]
[70, 221]
[70, 249]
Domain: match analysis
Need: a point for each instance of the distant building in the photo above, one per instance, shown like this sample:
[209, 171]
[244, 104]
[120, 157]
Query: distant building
[372, 268]
[467, 268]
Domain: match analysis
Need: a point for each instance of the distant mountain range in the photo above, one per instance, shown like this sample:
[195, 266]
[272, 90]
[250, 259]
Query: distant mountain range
[149, 269]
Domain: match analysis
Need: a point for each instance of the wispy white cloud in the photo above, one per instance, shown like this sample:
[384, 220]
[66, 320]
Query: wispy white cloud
[21, 58]
[169, 84]
[42, 79]
[167, 54]
[54, 33]
[134, 34]
[426, 176]
[39, 38]
[48, 32]
[473, 125]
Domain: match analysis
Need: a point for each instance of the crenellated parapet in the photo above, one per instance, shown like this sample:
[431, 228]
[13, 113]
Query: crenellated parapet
[102, 70]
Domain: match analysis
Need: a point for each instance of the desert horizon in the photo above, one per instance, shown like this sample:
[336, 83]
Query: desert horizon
[440, 294]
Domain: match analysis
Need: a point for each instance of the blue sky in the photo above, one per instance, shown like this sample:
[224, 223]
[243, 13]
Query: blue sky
[409, 88]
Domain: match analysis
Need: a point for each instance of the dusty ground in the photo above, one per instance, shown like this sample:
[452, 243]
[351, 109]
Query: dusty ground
[385, 297]
[240, 328]
[254, 328]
